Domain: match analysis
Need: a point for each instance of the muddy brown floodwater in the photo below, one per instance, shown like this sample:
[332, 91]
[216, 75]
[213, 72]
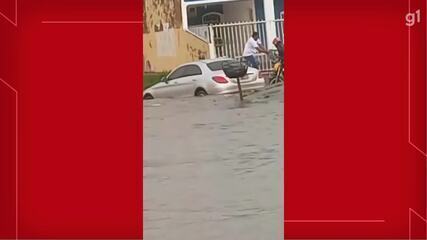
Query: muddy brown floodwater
[213, 168]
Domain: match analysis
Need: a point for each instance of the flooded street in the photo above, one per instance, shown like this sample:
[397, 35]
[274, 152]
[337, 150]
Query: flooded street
[213, 168]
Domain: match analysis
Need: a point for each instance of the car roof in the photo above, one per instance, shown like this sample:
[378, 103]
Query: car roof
[206, 61]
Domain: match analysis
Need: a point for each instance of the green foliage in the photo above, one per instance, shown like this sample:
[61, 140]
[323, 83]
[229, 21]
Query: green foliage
[152, 78]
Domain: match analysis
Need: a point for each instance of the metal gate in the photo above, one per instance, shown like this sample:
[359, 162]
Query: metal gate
[228, 40]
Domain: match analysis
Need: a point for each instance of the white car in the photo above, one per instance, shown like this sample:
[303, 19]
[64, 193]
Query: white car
[202, 78]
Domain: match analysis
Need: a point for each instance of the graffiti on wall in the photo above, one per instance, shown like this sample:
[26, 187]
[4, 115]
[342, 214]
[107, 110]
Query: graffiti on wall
[147, 65]
[162, 14]
[196, 53]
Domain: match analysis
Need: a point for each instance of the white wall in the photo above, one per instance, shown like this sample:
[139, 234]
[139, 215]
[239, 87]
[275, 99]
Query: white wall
[238, 11]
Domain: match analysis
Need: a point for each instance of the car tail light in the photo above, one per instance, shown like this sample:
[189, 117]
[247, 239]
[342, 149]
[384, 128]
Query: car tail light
[219, 79]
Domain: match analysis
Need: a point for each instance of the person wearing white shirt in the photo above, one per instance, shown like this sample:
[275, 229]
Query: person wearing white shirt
[252, 47]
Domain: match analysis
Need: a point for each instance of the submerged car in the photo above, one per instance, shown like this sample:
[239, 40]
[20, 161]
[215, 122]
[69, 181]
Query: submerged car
[202, 78]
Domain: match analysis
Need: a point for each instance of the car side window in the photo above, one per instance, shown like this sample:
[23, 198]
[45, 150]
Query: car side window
[178, 73]
[193, 70]
[185, 71]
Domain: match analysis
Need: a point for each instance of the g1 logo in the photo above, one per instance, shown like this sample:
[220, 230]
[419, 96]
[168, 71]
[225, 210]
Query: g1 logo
[412, 18]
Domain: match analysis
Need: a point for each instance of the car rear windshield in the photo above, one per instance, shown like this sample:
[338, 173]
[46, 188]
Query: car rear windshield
[216, 66]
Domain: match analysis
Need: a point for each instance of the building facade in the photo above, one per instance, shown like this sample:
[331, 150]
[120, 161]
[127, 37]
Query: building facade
[166, 43]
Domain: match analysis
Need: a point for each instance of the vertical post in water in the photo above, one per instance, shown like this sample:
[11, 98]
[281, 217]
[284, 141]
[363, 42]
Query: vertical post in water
[240, 89]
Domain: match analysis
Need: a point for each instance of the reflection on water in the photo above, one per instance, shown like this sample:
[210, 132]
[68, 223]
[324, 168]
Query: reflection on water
[213, 168]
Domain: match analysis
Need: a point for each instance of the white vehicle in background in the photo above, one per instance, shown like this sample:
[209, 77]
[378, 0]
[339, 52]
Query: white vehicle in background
[202, 78]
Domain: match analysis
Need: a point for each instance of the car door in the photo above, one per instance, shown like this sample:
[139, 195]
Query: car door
[168, 87]
[186, 85]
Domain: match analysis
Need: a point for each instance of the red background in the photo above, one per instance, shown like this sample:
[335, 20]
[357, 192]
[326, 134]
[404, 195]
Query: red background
[347, 155]
[80, 119]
